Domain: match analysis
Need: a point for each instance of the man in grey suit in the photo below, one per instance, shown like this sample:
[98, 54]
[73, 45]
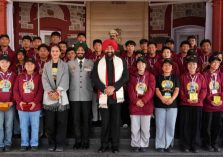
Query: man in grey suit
[80, 95]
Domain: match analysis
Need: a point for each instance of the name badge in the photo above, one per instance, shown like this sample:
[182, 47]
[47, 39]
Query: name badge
[5, 89]
[167, 95]
[193, 96]
[214, 91]
[27, 91]
[87, 69]
[217, 99]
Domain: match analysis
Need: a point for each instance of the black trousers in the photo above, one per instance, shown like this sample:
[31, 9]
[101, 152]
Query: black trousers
[110, 125]
[190, 126]
[56, 127]
[125, 116]
[211, 127]
[81, 120]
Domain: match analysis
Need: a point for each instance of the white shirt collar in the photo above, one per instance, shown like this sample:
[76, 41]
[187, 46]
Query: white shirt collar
[81, 60]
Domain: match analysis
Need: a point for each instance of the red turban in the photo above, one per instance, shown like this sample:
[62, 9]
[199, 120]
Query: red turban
[109, 42]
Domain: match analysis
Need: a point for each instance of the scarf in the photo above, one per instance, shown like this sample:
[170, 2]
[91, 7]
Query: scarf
[103, 76]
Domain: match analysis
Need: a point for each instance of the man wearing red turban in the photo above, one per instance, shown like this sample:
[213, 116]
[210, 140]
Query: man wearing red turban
[109, 75]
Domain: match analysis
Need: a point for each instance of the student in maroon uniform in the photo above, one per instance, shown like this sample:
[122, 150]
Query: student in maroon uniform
[204, 54]
[20, 59]
[153, 57]
[43, 51]
[63, 48]
[141, 90]
[55, 38]
[213, 107]
[144, 46]
[181, 57]
[28, 93]
[70, 54]
[193, 91]
[37, 41]
[5, 48]
[193, 44]
[170, 43]
[81, 38]
[7, 79]
[129, 57]
[27, 45]
[166, 54]
[95, 56]
[97, 53]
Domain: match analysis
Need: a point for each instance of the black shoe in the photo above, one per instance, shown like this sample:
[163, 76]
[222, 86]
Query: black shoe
[7, 148]
[103, 149]
[142, 149]
[23, 148]
[77, 146]
[115, 150]
[194, 150]
[135, 149]
[59, 149]
[1, 149]
[161, 150]
[185, 149]
[209, 148]
[169, 150]
[216, 148]
[51, 148]
[34, 148]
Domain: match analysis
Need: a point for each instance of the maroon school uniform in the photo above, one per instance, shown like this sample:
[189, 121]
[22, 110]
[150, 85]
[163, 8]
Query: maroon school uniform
[151, 63]
[203, 61]
[10, 53]
[129, 60]
[30, 53]
[181, 62]
[159, 71]
[40, 65]
[19, 68]
[147, 98]
[199, 87]
[93, 57]
[28, 89]
[7, 81]
[214, 88]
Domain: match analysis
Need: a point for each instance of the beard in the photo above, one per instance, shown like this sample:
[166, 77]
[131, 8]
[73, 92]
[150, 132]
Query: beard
[80, 56]
[109, 55]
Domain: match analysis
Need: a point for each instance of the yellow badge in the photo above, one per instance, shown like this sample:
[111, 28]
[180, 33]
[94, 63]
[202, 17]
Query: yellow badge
[217, 100]
[193, 96]
[54, 71]
[5, 85]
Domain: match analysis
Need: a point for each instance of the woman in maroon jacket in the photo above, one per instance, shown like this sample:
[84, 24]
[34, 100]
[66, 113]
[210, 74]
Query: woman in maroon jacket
[193, 91]
[213, 106]
[141, 90]
[28, 92]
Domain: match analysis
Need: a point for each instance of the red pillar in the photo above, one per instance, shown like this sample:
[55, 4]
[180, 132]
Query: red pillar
[3, 16]
[217, 35]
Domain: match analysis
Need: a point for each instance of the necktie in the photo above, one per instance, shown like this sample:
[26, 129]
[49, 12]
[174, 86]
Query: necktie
[80, 64]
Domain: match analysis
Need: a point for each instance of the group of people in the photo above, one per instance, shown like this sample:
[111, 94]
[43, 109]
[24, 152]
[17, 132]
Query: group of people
[119, 86]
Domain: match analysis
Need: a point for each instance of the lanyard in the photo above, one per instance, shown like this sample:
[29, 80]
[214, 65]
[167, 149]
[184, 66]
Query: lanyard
[150, 62]
[182, 60]
[165, 78]
[142, 81]
[3, 77]
[132, 61]
[205, 59]
[41, 63]
[214, 78]
[31, 79]
[193, 80]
